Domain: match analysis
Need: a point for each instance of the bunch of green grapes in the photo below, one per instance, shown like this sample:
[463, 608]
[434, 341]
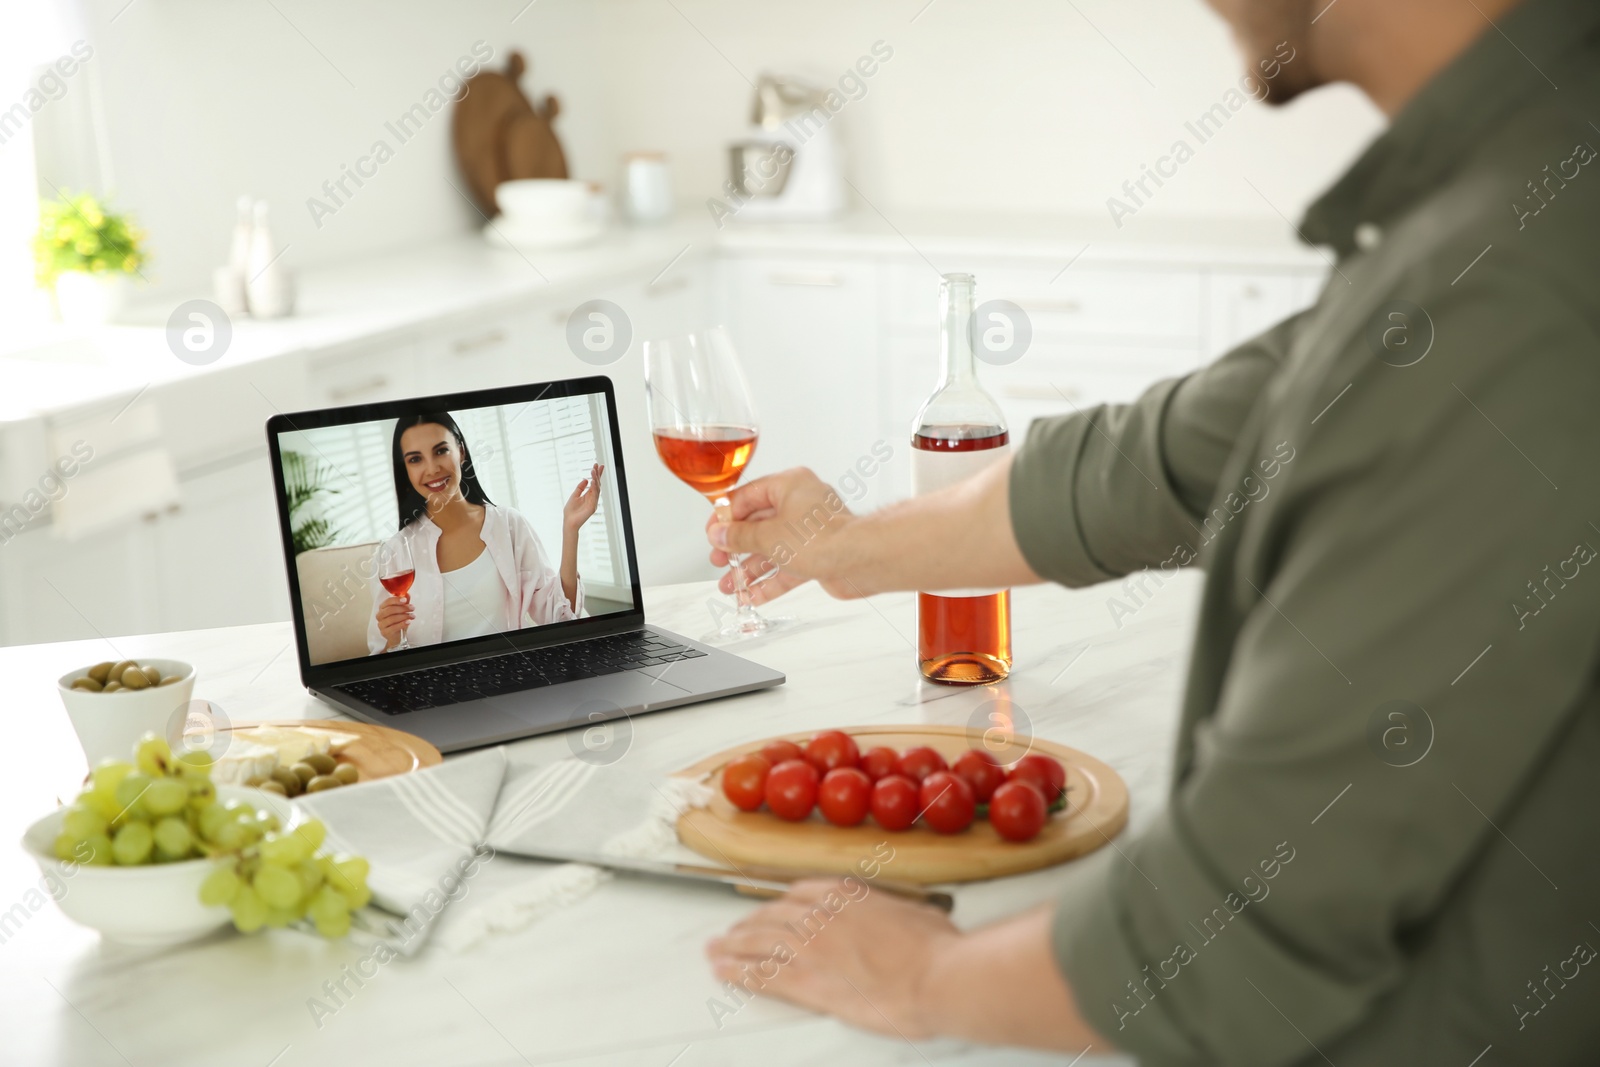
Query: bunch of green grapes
[147, 811]
[162, 809]
[281, 879]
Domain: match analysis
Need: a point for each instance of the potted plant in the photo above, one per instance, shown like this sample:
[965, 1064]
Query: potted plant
[86, 254]
[304, 480]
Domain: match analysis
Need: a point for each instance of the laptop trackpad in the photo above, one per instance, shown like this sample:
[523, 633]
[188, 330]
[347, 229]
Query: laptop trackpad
[589, 700]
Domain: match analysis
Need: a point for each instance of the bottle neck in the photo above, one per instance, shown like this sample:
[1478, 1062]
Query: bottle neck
[955, 332]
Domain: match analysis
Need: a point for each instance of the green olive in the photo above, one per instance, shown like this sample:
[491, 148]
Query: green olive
[254, 781]
[88, 685]
[347, 773]
[118, 667]
[321, 782]
[304, 771]
[171, 679]
[272, 785]
[135, 678]
[101, 671]
[292, 786]
[112, 686]
[152, 674]
[321, 762]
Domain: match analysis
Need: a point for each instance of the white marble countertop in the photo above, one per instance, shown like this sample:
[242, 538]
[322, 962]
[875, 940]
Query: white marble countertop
[619, 977]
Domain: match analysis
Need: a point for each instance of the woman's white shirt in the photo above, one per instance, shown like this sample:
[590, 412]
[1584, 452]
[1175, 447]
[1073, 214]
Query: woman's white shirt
[473, 600]
[531, 592]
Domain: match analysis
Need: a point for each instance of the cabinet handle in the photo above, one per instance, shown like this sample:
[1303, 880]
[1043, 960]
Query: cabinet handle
[370, 385]
[671, 285]
[820, 279]
[472, 344]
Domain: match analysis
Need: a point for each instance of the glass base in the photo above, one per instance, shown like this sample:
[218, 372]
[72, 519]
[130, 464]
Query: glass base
[735, 628]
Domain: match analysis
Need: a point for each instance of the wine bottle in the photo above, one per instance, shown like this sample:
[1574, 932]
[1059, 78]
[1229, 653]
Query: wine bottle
[963, 635]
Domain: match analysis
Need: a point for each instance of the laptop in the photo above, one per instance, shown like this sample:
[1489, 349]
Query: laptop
[481, 645]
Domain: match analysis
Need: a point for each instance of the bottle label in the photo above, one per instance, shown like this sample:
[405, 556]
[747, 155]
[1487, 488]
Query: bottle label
[932, 471]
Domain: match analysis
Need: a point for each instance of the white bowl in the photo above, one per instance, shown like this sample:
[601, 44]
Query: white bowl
[544, 200]
[154, 905]
[108, 724]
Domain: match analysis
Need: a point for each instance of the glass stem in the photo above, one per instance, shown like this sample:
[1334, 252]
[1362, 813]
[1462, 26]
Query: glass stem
[747, 616]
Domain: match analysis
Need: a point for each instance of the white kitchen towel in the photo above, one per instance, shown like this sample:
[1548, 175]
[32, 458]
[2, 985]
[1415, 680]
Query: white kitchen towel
[561, 807]
[422, 835]
[442, 842]
[574, 805]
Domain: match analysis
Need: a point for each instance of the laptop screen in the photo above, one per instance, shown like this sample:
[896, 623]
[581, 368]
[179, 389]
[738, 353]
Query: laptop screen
[445, 521]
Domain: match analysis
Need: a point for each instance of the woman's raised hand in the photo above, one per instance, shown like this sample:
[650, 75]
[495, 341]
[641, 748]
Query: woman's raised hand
[584, 499]
[394, 615]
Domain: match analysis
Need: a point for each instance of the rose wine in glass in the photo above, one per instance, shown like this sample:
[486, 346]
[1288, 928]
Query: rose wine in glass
[963, 635]
[705, 431]
[396, 572]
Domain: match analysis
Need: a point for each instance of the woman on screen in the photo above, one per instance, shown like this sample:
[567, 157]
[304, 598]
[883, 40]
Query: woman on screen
[479, 569]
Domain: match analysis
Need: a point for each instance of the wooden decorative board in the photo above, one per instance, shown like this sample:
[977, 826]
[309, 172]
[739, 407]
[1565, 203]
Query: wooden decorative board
[377, 752]
[1096, 811]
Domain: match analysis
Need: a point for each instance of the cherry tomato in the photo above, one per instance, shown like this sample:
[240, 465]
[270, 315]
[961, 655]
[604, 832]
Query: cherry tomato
[880, 762]
[1017, 810]
[832, 749]
[792, 789]
[744, 781]
[780, 751]
[844, 796]
[947, 802]
[981, 771]
[894, 802]
[920, 762]
[1042, 771]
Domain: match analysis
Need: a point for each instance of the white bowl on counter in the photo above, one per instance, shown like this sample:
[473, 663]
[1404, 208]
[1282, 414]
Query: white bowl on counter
[158, 904]
[108, 724]
[531, 200]
[545, 213]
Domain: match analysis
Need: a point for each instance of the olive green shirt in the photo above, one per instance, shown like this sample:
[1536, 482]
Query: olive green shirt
[1382, 842]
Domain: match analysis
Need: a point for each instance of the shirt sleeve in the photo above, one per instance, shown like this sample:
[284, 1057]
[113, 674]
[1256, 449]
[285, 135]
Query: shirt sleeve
[1106, 491]
[543, 599]
[1429, 579]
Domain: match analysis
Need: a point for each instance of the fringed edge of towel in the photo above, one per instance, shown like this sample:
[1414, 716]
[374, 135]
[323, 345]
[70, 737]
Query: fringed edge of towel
[658, 833]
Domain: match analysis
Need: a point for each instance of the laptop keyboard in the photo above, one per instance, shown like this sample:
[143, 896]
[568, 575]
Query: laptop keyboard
[455, 683]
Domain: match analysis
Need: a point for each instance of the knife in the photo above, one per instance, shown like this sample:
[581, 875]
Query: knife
[763, 882]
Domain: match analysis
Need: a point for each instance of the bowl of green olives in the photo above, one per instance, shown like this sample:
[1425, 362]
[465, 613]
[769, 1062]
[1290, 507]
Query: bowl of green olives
[114, 703]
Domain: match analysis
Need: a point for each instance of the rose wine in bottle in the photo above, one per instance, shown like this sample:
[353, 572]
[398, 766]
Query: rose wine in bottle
[963, 635]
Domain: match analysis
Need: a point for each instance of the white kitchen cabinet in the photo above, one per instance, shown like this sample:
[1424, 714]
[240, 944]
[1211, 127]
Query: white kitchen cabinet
[808, 334]
[840, 343]
[218, 555]
[668, 517]
[1242, 304]
[1149, 304]
[99, 586]
[363, 373]
[480, 351]
[213, 558]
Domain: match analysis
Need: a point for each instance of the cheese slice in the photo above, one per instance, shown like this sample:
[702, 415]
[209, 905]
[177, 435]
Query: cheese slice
[294, 744]
[243, 761]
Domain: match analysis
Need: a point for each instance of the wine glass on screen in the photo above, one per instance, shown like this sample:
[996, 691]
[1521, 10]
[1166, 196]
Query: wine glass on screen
[705, 431]
[396, 572]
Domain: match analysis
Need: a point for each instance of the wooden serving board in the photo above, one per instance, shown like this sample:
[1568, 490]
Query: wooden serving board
[1096, 811]
[377, 752]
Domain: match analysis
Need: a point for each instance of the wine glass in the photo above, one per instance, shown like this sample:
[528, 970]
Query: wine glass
[705, 431]
[396, 571]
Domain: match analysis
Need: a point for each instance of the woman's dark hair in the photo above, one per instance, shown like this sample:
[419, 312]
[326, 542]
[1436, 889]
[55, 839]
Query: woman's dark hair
[411, 502]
